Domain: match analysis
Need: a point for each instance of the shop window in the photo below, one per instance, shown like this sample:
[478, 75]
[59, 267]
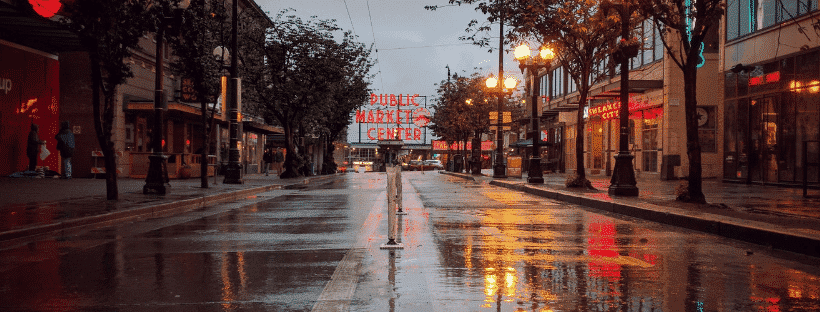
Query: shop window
[731, 136]
[747, 16]
[650, 144]
[707, 128]
[730, 84]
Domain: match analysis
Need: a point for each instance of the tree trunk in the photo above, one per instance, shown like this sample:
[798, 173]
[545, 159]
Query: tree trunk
[580, 170]
[695, 189]
[104, 140]
[291, 158]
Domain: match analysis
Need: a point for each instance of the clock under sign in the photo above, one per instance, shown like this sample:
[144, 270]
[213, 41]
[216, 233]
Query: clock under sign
[703, 116]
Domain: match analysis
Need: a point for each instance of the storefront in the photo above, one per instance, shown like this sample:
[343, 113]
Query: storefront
[771, 121]
[645, 141]
[29, 94]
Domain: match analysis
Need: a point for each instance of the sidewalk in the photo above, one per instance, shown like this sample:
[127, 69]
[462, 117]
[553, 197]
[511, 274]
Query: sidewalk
[33, 206]
[779, 217]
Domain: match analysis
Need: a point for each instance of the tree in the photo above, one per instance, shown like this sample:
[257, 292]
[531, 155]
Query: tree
[686, 24]
[304, 68]
[577, 30]
[462, 110]
[109, 31]
[205, 27]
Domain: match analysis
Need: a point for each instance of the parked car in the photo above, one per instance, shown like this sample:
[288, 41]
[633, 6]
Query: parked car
[433, 164]
[426, 165]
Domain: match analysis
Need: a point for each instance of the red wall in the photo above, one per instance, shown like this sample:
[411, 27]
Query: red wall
[33, 78]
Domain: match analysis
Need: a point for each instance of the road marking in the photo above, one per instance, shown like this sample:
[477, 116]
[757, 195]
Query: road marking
[338, 293]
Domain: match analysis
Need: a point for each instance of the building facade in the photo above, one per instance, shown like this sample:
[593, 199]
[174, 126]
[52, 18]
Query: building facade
[50, 81]
[770, 70]
[656, 113]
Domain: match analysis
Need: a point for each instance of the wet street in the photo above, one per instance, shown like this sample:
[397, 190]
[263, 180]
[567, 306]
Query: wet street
[467, 247]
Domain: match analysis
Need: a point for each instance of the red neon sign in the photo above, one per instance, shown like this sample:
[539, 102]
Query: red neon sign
[46, 8]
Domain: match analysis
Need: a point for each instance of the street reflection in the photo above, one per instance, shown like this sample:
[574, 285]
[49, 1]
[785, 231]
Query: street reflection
[547, 257]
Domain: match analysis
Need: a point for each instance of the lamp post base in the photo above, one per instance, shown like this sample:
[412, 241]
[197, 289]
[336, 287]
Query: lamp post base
[157, 173]
[233, 174]
[499, 171]
[476, 166]
[623, 177]
[534, 173]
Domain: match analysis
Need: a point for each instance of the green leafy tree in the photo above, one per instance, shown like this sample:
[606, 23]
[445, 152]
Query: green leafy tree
[109, 31]
[205, 27]
[462, 110]
[686, 24]
[304, 69]
[577, 30]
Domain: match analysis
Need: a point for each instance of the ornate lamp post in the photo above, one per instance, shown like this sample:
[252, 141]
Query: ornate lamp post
[499, 168]
[157, 169]
[623, 176]
[233, 173]
[533, 65]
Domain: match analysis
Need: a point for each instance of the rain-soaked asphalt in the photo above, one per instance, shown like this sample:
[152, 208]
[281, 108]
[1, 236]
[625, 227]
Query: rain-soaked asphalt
[467, 247]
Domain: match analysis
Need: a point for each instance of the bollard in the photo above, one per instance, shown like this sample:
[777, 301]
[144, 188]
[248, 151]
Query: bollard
[399, 199]
[391, 209]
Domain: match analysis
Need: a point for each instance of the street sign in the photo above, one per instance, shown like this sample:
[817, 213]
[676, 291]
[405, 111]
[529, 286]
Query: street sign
[507, 120]
[507, 116]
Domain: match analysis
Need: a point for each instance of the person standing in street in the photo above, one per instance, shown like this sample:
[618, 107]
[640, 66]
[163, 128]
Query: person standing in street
[267, 159]
[33, 146]
[278, 159]
[65, 144]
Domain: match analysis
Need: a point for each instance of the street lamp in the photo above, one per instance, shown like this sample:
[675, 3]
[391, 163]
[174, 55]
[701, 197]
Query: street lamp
[533, 65]
[157, 170]
[623, 176]
[499, 168]
[233, 172]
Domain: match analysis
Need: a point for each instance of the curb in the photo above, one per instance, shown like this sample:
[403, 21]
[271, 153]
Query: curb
[760, 233]
[160, 210]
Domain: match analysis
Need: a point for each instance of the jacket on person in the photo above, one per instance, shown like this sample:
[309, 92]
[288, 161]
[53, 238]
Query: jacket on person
[65, 141]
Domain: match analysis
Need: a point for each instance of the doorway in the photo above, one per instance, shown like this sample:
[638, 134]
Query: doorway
[763, 130]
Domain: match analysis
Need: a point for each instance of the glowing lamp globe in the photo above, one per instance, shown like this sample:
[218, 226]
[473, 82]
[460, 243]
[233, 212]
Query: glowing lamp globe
[522, 52]
[510, 83]
[46, 8]
[492, 82]
[547, 54]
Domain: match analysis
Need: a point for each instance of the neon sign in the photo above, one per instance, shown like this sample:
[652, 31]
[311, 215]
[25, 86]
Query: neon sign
[391, 117]
[46, 8]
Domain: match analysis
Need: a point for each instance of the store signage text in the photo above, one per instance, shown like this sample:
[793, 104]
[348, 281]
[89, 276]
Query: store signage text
[610, 110]
[458, 146]
[397, 133]
[393, 100]
[5, 85]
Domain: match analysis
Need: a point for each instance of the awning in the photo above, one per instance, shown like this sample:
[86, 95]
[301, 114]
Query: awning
[613, 90]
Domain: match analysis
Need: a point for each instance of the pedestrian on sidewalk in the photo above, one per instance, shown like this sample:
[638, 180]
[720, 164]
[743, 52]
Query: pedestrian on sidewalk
[65, 144]
[267, 159]
[33, 146]
[278, 159]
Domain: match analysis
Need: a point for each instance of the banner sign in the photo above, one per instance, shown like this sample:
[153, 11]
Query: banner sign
[459, 146]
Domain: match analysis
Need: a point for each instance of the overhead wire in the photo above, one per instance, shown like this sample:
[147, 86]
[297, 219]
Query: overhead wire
[351, 19]
[372, 31]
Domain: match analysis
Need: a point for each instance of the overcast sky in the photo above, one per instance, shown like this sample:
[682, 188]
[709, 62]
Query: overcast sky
[414, 45]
